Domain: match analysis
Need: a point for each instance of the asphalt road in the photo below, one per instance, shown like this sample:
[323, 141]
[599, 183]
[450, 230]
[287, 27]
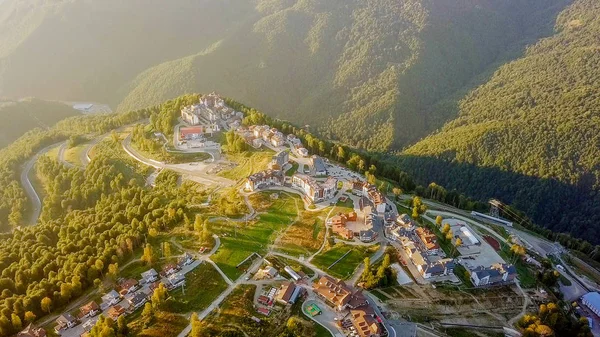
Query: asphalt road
[197, 173]
[28, 186]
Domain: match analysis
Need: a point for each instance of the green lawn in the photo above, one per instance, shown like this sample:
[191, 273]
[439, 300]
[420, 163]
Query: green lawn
[164, 324]
[72, 155]
[348, 264]
[280, 263]
[202, 286]
[134, 270]
[249, 162]
[464, 332]
[239, 240]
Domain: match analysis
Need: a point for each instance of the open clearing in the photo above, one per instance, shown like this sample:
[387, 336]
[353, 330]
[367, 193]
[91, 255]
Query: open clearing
[240, 239]
[354, 256]
[202, 286]
[248, 163]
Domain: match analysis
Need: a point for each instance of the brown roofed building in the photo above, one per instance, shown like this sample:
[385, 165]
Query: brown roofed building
[30, 331]
[364, 322]
[338, 224]
[286, 292]
[428, 239]
[115, 312]
[89, 310]
[335, 292]
[128, 286]
[343, 232]
[170, 268]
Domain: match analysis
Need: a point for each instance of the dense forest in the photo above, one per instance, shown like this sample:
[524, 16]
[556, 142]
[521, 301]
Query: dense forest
[372, 74]
[22, 116]
[388, 171]
[92, 219]
[14, 204]
[529, 136]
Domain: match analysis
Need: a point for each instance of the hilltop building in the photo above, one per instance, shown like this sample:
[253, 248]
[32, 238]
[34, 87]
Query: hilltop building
[314, 190]
[264, 179]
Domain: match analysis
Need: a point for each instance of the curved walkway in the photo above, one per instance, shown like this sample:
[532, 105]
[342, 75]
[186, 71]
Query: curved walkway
[199, 175]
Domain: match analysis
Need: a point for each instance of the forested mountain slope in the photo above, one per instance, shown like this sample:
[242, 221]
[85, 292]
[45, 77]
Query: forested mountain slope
[530, 135]
[373, 74]
[81, 50]
[20, 117]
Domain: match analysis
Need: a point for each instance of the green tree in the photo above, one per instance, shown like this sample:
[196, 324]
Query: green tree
[148, 314]
[167, 249]
[16, 322]
[159, 297]
[197, 329]
[29, 317]
[113, 271]
[148, 255]
[46, 304]
[122, 329]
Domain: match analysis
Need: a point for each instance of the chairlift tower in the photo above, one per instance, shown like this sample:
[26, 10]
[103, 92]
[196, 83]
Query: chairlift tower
[495, 208]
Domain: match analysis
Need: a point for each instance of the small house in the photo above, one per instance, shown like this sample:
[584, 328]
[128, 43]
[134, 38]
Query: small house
[30, 331]
[90, 310]
[111, 298]
[149, 276]
[170, 268]
[115, 312]
[186, 259]
[128, 286]
[138, 299]
[65, 321]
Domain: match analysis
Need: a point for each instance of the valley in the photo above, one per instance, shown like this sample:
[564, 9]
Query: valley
[287, 168]
[251, 233]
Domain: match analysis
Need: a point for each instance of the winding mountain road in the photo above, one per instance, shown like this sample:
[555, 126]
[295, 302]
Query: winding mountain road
[28, 186]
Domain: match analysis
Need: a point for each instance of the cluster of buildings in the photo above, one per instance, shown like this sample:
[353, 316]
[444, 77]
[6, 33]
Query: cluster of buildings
[339, 226]
[264, 179]
[287, 293]
[31, 331]
[421, 246]
[257, 135]
[341, 297]
[130, 294]
[210, 112]
[428, 262]
[371, 193]
[273, 176]
[315, 190]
